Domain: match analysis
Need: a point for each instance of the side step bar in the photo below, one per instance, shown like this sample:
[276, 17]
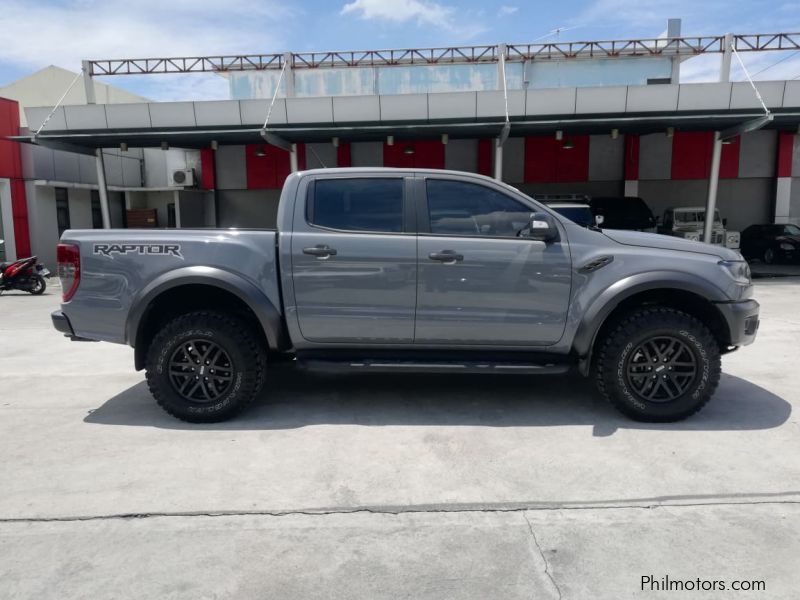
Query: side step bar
[417, 366]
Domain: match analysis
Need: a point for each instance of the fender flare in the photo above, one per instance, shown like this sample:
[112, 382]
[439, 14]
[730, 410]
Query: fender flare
[601, 307]
[265, 311]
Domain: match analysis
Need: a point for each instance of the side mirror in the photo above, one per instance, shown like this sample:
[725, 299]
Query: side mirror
[542, 227]
[599, 220]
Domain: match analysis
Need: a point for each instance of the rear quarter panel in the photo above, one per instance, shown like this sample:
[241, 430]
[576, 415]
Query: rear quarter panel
[118, 264]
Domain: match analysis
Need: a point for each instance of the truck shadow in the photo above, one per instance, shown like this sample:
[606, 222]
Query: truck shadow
[290, 401]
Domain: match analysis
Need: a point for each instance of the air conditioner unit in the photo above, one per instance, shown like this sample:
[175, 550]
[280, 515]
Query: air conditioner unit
[182, 177]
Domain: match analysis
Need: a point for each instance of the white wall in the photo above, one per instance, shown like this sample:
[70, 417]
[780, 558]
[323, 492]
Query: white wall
[44, 88]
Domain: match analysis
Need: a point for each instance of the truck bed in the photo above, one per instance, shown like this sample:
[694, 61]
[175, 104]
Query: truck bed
[119, 267]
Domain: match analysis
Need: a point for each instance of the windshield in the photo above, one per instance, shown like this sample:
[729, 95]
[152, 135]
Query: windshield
[577, 214]
[791, 230]
[695, 216]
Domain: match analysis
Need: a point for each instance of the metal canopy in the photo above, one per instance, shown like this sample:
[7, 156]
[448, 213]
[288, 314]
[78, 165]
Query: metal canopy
[85, 142]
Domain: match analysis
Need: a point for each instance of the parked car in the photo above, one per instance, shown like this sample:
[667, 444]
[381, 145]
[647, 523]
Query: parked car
[575, 212]
[623, 212]
[688, 223]
[400, 270]
[772, 243]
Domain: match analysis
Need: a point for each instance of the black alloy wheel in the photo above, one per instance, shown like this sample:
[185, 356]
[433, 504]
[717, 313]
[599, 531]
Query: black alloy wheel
[661, 369]
[200, 370]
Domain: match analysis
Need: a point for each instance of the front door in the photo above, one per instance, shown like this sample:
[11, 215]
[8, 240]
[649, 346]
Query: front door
[479, 283]
[354, 261]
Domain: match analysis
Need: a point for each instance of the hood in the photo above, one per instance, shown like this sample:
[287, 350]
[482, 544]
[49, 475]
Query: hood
[667, 242]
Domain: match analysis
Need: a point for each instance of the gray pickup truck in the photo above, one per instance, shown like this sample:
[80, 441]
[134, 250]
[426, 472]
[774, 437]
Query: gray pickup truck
[409, 270]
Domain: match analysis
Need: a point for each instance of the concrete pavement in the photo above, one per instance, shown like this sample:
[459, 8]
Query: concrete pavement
[401, 486]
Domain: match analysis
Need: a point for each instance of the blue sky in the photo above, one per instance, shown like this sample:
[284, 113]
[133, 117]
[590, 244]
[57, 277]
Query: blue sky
[38, 33]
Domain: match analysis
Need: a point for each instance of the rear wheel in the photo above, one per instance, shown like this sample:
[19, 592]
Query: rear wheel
[769, 256]
[39, 285]
[658, 365]
[205, 367]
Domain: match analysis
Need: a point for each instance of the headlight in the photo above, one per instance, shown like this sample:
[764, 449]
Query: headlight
[787, 246]
[739, 270]
[694, 237]
[732, 239]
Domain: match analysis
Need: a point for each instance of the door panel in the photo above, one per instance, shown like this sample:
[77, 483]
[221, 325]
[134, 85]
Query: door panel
[354, 286]
[503, 292]
[497, 289]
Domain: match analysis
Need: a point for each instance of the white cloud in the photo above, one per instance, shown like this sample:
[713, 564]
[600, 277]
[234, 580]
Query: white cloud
[506, 10]
[401, 11]
[37, 34]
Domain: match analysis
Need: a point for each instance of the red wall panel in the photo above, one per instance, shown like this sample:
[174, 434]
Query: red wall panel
[729, 159]
[691, 155]
[19, 208]
[631, 157]
[11, 168]
[784, 159]
[343, 158]
[207, 169]
[267, 166]
[547, 160]
[485, 149]
[425, 154]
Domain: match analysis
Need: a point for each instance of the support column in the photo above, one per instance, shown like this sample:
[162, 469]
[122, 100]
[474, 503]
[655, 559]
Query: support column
[176, 199]
[713, 182]
[727, 53]
[102, 188]
[88, 82]
[289, 75]
[674, 31]
[293, 163]
[783, 173]
[498, 160]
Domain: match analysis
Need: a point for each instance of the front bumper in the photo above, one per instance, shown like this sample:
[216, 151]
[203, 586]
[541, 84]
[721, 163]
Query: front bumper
[742, 320]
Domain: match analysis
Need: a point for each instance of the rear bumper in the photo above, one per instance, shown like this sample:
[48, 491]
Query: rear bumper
[62, 324]
[742, 319]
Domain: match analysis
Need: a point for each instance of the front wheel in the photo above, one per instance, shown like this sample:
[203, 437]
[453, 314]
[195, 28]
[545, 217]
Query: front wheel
[658, 365]
[204, 367]
[769, 256]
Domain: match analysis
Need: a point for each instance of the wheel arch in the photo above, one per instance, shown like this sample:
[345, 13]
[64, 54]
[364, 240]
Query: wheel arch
[191, 288]
[683, 291]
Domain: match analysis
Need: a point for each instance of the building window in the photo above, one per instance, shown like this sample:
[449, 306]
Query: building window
[97, 212]
[62, 210]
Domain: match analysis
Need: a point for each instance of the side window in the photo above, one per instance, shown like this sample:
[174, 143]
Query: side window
[461, 208]
[62, 210]
[366, 204]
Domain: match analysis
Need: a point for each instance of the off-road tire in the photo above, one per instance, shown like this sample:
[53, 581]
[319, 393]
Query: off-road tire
[247, 355]
[625, 336]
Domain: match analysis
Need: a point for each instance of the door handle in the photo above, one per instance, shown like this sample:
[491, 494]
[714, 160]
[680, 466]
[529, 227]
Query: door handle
[446, 256]
[320, 251]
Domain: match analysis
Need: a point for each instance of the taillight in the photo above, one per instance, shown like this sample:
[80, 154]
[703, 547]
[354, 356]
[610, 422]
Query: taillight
[68, 259]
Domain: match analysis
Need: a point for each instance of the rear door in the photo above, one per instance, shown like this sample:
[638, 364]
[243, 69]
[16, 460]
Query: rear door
[354, 260]
[480, 284]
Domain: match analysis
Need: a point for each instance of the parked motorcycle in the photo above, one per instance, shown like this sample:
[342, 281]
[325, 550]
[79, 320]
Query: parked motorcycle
[25, 274]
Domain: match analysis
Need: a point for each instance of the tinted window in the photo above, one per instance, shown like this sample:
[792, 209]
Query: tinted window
[460, 208]
[369, 204]
[577, 214]
[62, 210]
